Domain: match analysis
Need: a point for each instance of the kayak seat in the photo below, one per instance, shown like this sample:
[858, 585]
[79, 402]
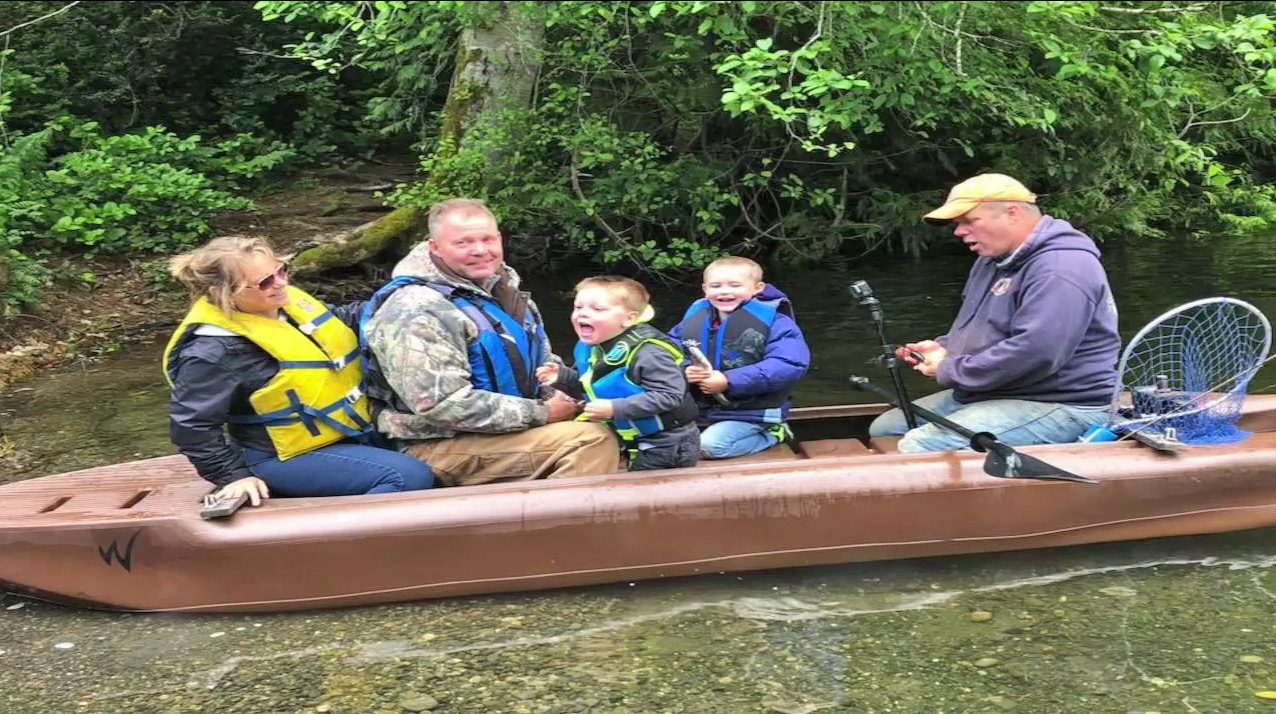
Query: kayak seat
[824, 448]
[884, 444]
[779, 452]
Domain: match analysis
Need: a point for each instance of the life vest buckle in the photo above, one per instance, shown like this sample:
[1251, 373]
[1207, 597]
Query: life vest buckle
[355, 395]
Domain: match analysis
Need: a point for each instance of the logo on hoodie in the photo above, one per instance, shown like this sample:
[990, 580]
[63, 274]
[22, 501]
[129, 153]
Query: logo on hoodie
[1001, 286]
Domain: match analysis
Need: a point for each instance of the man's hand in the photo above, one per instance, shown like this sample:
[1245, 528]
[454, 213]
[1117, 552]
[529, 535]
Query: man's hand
[715, 383]
[560, 408]
[933, 357]
[923, 348]
[599, 410]
[547, 374]
[253, 486]
[697, 374]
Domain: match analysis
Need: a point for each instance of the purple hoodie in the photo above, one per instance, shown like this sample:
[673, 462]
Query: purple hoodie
[1040, 324]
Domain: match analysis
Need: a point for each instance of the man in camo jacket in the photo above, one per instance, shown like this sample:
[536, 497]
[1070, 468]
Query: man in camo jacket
[452, 346]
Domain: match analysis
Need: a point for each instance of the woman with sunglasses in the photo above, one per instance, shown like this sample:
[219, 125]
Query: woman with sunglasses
[266, 397]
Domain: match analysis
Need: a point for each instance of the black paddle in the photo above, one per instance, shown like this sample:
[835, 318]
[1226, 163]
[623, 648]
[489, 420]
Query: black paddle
[1002, 461]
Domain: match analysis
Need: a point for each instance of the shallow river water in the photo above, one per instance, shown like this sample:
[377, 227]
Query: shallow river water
[1176, 625]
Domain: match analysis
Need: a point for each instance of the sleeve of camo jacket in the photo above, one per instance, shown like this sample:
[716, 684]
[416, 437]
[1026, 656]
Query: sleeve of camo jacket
[421, 344]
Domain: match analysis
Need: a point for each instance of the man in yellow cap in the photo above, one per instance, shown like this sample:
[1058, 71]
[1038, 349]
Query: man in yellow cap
[1031, 356]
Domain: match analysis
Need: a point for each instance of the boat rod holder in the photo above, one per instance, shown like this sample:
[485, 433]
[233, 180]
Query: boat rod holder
[864, 295]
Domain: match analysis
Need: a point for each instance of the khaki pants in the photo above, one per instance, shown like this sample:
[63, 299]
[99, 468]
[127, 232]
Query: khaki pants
[558, 450]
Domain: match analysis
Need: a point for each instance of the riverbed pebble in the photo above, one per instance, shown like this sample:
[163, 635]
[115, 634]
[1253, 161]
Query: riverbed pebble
[64, 645]
[1001, 702]
[1251, 659]
[980, 616]
[986, 662]
[417, 703]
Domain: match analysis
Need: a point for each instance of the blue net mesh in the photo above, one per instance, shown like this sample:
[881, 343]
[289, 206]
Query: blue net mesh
[1189, 371]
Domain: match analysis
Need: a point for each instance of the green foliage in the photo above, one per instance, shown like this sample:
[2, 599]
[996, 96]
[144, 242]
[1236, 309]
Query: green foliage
[150, 191]
[807, 129]
[125, 125]
[628, 202]
[407, 46]
[661, 134]
[212, 68]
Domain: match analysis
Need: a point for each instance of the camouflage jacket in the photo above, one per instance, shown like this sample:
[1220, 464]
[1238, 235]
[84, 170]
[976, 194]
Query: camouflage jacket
[421, 344]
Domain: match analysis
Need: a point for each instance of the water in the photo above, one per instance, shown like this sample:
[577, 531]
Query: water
[1177, 625]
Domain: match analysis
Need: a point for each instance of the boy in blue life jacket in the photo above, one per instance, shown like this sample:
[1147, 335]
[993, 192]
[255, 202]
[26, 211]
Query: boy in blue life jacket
[630, 375]
[746, 329]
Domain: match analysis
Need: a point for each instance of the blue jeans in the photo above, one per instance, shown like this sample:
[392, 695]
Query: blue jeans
[728, 439]
[342, 469]
[1016, 422]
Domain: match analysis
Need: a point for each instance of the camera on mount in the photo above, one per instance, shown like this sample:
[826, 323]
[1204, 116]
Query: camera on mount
[861, 290]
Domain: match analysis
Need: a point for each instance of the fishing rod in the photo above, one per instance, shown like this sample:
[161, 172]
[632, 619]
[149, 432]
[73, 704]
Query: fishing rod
[1003, 461]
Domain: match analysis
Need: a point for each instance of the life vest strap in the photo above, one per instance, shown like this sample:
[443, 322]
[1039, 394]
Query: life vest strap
[308, 328]
[298, 412]
[336, 365]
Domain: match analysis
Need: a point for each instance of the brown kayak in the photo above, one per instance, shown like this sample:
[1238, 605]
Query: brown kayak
[129, 536]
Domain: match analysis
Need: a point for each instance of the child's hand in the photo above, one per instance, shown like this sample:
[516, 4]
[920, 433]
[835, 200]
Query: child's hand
[697, 374]
[599, 410]
[715, 383]
[547, 374]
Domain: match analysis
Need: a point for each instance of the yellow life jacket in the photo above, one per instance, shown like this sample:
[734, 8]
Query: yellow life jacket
[315, 399]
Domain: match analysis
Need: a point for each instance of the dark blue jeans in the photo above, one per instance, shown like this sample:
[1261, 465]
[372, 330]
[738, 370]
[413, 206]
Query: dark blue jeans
[342, 469]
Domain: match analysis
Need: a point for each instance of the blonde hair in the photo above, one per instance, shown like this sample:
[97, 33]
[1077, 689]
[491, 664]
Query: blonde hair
[212, 270]
[630, 292]
[755, 270]
[464, 206]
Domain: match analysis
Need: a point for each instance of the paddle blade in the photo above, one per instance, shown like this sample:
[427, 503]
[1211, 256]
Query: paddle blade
[1005, 462]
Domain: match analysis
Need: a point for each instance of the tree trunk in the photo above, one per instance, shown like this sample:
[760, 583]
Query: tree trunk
[496, 68]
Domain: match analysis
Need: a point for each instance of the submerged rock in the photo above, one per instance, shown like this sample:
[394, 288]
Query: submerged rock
[417, 702]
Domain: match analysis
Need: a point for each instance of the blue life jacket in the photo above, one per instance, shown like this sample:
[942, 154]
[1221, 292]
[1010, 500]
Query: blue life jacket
[503, 359]
[605, 375]
[739, 341]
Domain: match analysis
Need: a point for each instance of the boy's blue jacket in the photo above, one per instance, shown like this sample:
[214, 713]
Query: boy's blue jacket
[785, 361]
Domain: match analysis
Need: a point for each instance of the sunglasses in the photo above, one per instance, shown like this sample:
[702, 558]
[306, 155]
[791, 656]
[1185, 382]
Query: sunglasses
[268, 282]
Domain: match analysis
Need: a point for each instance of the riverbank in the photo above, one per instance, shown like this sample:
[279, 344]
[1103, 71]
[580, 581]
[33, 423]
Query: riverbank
[108, 302]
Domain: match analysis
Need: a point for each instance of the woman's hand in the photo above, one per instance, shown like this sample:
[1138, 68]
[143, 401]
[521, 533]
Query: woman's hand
[251, 485]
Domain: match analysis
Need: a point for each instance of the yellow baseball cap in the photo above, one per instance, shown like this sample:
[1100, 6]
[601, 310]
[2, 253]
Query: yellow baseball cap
[980, 189]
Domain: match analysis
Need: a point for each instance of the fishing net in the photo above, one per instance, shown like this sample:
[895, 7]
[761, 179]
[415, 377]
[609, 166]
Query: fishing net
[1186, 373]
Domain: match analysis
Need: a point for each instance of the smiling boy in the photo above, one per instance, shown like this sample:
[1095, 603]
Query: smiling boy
[756, 351]
[630, 374]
